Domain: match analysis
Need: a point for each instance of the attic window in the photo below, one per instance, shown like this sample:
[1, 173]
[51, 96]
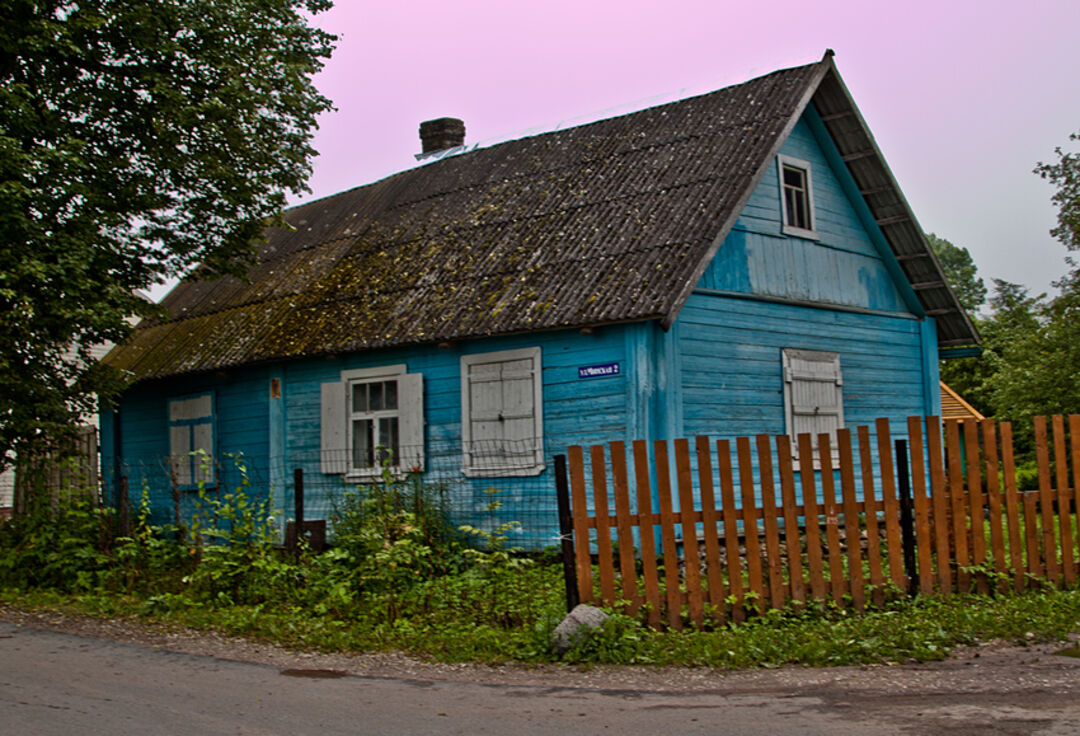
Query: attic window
[796, 197]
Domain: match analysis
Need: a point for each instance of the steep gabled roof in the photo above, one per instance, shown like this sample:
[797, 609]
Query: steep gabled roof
[607, 222]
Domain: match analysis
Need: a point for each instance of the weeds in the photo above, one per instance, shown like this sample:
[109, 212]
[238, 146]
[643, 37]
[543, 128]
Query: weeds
[399, 577]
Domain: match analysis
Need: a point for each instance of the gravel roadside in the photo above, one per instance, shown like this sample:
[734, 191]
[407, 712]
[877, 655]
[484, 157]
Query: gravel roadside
[991, 668]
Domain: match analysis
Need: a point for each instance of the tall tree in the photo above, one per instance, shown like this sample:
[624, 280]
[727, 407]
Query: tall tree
[1038, 365]
[1033, 357]
[137, 140]
[965, 375]
[961, 272]
[1064, 174]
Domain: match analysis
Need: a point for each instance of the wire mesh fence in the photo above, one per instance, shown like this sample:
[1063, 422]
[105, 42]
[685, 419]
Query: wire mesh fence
[498, 486]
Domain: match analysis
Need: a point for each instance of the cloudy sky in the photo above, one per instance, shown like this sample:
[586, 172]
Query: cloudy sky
[964, 97]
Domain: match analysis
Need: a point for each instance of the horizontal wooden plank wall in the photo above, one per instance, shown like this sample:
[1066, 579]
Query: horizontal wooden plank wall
[701, 532]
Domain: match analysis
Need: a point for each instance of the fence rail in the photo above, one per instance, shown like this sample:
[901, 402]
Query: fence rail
[716, 534]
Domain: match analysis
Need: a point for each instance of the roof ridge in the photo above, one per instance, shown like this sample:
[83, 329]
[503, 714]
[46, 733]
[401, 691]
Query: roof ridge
[598, 223]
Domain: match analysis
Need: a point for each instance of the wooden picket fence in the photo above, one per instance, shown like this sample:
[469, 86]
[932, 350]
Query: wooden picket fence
[776, 533]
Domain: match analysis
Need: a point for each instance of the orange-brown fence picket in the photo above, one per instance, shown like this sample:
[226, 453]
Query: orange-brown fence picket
[720, 529]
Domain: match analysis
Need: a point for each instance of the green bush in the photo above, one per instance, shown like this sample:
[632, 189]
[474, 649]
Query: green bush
[60, 542]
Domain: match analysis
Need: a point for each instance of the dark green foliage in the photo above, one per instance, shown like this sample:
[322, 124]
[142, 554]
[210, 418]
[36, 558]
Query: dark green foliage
[1064, 174]
[1033, 364]
[1030, 359]
[137, 141]
[60, 543]
[961, 273]
[389, 585]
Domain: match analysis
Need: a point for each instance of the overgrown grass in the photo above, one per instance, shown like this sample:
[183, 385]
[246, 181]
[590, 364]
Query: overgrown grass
[399, 581]
[920, 630]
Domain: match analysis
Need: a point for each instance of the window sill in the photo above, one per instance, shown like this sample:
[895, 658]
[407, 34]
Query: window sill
[374, 476]
[508, 472]
[798, 232]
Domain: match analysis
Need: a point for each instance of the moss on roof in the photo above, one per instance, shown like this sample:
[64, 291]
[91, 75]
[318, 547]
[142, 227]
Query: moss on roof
[605, 222]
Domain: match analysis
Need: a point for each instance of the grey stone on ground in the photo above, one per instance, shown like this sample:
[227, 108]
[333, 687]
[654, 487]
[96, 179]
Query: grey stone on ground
[577, 624]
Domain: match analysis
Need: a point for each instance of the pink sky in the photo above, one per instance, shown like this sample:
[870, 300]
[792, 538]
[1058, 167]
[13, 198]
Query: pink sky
[963, 97]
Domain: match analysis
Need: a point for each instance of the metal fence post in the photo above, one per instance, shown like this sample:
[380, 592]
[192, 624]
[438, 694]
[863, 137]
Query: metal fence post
[123, 508]
[298, 498]
[294, 531]
[907, 526]
[566, 533]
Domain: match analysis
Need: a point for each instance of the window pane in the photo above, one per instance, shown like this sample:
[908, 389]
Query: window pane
[388, 439]
[789, 204]
[390, 395]
[362, 443]
[796, 198]
[375, 396]
[359, 398]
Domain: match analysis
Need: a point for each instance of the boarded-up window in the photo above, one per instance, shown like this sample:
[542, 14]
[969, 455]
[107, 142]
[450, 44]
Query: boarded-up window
[191, 440]
[373, 418]
[502, 413]
[813, 393]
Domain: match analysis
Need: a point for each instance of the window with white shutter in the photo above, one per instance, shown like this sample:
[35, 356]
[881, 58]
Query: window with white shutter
[373, 418]
[502, 413]
[813, 394]
[191, 440]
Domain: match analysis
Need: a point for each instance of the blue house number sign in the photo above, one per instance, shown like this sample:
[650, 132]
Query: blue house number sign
[598, 371]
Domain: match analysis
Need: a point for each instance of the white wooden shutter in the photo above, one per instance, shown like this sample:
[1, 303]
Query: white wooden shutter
[518, 412]
[484, 416]
[179, 449]
[501, 413]
[203, 439]
[411, 421]
[191, 428]
[334, 454]
[813, 393]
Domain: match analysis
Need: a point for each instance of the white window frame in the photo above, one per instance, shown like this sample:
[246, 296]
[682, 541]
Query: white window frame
[783, 162]
[337, 422]
[351, 416]
[187, 415]
[534, 464]
[834, 376]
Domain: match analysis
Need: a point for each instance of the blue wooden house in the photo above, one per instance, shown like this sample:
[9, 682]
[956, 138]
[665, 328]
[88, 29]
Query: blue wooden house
[730, 264]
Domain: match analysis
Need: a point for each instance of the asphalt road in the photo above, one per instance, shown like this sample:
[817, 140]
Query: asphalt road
[63, 684]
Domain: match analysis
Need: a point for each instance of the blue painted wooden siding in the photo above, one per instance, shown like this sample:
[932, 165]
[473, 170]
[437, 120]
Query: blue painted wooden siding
[716, 372]
[751, 303]
[844, 266]
[576, 411]
[241, 427]
[732, 380]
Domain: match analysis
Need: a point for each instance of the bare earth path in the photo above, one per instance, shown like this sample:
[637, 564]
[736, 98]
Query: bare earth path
[63, 674]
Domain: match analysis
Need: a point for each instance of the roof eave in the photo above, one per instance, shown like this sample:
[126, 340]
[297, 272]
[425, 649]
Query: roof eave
[891, 211]
[897, 223]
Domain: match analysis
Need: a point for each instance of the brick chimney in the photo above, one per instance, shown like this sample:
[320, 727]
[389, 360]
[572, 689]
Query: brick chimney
[441, 134]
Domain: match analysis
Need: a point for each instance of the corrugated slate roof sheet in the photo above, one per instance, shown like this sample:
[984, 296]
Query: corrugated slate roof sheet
[605, 222]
